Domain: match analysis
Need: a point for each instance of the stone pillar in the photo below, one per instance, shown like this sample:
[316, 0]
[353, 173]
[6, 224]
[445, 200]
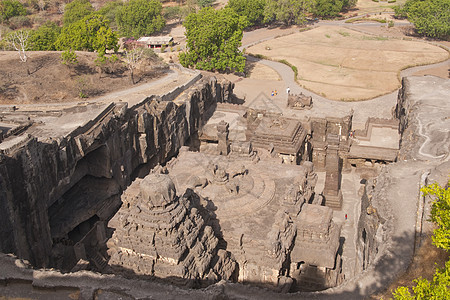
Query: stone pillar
[80, 251]
[100, 232]
[332, 190]
[223, 148]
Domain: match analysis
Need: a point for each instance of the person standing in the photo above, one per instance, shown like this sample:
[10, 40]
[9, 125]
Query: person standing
[288, 90]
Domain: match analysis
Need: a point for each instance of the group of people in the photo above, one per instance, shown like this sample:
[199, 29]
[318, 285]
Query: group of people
[275, 92]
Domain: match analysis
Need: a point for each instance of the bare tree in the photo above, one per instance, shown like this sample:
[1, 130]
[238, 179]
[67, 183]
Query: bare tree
[19, 41]
[132, 59]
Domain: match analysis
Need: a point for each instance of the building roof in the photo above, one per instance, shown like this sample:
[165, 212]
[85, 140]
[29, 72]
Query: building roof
[286, 135]
[155, 40]
[377, 153]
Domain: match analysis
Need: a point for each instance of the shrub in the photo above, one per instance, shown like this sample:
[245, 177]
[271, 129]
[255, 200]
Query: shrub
[108, 65]
[69, 57]
[11, 8]
[19, 22]
[44, 38]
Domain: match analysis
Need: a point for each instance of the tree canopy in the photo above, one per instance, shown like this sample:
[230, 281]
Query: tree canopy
[440, 214]
[11, 8]
[110, 11]
[44, 38]
[140, 17]
[213, 40]
[431, 18]
[328, 8]
[289, 12]
[76, 10]
[439, 286]
[205, 3]
[92, 33]
[253, 10]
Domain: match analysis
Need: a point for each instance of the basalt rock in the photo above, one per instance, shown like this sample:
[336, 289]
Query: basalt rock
[49, 187]
[158, 233]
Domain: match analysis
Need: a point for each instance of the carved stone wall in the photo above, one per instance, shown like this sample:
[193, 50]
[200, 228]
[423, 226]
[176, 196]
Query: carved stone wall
[43, 176]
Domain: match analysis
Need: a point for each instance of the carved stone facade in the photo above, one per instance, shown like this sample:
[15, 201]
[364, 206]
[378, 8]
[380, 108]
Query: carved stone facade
[299, 101]
[315, 262]
[286, 137]
[223, 146]
[158, 233]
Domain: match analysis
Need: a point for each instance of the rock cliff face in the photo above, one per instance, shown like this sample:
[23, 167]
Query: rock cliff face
[49, 189]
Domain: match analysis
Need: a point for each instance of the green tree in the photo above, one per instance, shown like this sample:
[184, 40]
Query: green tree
[440, 214]
[431, 18]
[252, 9]
[328, 8]
[44, 38]
[140, 17]
[205, 3]
[92, 33]
[69, 57]
[213, 40]
[11, 8]
[77, 10]
[288, 12]
[110, 11]
[439, 286]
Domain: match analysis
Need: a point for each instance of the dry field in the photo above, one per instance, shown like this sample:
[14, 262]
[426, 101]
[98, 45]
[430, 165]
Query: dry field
[261, 72]
[343, 64]
[370, 7]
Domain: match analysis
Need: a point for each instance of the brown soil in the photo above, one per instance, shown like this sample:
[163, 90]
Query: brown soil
[259, 71]
[344, 64]
[44, 79]
[427, 258]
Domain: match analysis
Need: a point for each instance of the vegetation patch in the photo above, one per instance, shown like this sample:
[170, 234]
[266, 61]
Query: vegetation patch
[294, 68]
[365, 19]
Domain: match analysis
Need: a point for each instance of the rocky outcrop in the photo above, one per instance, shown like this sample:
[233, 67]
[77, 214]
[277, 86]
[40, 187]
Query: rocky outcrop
[423, 126]
[41, 181]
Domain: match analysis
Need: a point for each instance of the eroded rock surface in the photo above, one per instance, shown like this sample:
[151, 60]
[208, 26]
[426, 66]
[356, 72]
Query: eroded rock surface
[49, 184]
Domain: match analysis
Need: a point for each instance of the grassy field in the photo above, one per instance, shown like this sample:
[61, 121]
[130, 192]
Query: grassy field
[343, 64]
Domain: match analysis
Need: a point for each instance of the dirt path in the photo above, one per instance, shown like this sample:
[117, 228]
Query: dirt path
[380, 107]
[132, 95]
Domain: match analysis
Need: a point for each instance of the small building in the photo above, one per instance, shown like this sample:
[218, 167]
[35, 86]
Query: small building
[286, 137]
[155, 41]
